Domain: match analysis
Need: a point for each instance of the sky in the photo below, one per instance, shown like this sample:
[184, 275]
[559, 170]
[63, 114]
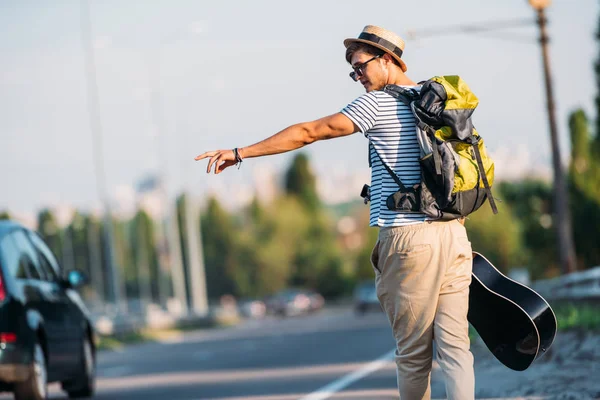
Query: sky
[176, 78]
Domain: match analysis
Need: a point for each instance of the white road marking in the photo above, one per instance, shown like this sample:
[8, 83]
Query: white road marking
[329, 390]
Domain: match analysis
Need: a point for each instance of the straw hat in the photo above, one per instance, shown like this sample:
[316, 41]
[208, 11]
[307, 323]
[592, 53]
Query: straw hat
[383, 39]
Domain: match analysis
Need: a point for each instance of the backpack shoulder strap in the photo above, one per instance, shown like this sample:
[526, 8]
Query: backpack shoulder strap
[405, 95]
[486, 184]
[387, 167]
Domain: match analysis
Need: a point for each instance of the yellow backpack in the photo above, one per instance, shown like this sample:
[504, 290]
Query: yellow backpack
[456, 172]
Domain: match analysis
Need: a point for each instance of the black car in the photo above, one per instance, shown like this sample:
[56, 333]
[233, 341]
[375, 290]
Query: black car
[46, 334]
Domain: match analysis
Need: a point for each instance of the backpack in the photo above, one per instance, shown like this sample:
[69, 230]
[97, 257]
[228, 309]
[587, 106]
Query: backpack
[456, 172]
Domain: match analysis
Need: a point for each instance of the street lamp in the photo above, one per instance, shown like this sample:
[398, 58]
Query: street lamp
[539, 4]
[117, 291]
[562, 221]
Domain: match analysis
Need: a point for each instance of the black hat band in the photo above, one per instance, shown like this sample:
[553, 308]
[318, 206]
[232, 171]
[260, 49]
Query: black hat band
[382, 42]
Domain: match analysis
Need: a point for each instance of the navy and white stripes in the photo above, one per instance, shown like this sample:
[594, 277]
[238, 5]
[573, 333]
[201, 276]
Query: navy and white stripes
[390, 126]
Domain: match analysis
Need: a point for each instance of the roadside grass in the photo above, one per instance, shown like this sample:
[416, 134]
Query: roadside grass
[577, 316]
[583, 316]
[145, 335]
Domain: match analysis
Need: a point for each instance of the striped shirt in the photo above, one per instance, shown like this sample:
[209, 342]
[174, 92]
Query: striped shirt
[390, 126]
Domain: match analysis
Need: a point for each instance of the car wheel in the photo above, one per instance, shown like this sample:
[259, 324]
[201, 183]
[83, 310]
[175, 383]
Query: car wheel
[36, 385]
[85, 384]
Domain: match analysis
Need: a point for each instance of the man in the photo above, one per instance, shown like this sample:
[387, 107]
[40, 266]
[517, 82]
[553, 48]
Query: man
[422, 268]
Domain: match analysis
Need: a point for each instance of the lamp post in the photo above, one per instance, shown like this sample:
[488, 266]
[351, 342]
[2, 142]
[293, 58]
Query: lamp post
[114, 283]
[562, 215]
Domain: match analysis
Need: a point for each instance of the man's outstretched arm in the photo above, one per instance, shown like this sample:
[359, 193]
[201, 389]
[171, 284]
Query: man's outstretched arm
[291, 138]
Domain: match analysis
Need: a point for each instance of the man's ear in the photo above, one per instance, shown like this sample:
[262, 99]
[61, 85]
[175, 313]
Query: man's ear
[388, 58]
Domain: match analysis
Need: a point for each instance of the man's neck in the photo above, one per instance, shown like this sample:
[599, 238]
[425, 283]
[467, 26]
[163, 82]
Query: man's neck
[403, 81]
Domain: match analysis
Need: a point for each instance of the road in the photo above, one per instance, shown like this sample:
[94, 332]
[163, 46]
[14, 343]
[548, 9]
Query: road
[330, 355]
[268, 359]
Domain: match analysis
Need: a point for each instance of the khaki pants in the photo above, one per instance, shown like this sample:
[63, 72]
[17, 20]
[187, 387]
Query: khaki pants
[423, 274]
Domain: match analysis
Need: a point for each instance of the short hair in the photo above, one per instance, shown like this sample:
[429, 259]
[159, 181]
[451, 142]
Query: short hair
[365, 48]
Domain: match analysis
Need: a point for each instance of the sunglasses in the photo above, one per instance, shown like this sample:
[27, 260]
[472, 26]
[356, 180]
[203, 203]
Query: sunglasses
[358, 69]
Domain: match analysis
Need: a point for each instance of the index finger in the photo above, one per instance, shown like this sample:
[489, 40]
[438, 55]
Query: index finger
[204, 155]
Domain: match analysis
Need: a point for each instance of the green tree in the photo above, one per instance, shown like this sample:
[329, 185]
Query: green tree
[96, 291]
[220, 252]
[4, 215]
[145, 256]
[596, 142]
[79, 242]
[584, 178]
[300, 181]
[581, 162]
[497, 238]
[50, 231]
[123, 256]
[530, 203]
[182, 204]
[363, 269]
[318, 260]
[267, 244]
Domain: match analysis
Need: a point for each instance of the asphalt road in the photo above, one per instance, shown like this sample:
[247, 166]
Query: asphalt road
[333, 354]
[307, 358]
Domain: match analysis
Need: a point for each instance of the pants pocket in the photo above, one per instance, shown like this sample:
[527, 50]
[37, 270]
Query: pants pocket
[375, 257]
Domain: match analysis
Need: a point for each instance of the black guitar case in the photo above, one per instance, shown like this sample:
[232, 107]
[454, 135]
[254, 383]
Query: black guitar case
[516, 323]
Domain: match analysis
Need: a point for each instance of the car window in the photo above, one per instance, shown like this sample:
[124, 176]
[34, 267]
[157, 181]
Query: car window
[47, 260]
[11, 258]
[46, 268]
[28, 255]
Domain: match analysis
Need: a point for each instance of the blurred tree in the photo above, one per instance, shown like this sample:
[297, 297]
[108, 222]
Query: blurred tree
[182, 204]
[318, 260]
[595, 144]
[97, 287]
[4, 215]
[79, 242]
[256, 213]
[269, 242]
[49, 230]
[581, 162]
[220, 253]
[364, 268]
[123, 249]
[144, 256]
[498, 239]
[584, 177]
[300, 181]
[586, 223]
[529, 203]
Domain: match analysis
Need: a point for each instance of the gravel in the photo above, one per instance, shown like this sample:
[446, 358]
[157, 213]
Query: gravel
[570, 370]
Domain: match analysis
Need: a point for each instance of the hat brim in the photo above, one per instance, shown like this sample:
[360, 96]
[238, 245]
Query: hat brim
[349, 41]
